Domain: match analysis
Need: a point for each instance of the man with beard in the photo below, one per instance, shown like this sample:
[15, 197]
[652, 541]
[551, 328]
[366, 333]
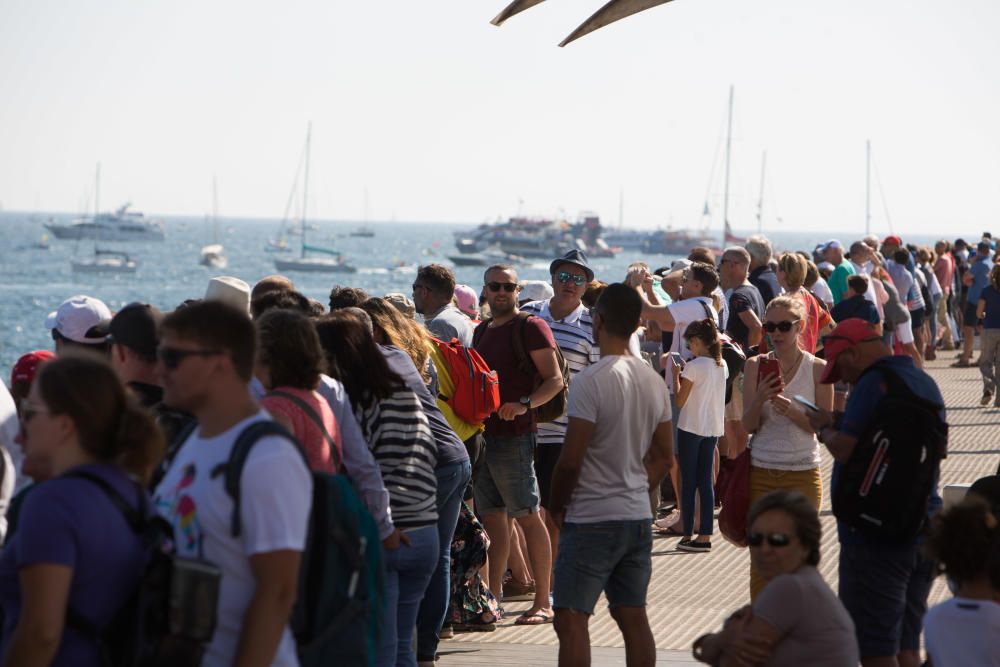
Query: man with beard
[506, 487]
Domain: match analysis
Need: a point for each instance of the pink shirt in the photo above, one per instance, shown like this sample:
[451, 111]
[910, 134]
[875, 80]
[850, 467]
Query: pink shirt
[304, 428]
[944, 269]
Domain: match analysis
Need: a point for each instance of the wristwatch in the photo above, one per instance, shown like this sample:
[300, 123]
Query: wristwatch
[525, 401]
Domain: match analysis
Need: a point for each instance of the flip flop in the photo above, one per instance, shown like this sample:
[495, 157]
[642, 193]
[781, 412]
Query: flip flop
[670, 531]
[538, 618]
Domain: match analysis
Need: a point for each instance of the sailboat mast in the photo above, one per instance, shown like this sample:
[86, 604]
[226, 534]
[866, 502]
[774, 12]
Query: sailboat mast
[621, 207]
[97, 190]
[305, 188]
[868, 186]
[760, 199]
[215, 212]
[729, 146]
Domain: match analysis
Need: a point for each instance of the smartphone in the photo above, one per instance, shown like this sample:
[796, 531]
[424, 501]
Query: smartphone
[766, 369]
[805, 402]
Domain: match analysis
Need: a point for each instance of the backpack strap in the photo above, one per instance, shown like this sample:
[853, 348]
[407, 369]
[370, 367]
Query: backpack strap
[480, 331]
[315, 417]
[173, 449]
[524, 361]
[708, 312]
[233, 468]
[134, 518]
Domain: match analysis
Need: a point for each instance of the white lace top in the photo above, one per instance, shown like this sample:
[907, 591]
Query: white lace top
[779, 443]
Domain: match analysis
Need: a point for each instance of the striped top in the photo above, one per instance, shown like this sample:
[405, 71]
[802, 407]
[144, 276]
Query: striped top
[575, 337]
[400, 438]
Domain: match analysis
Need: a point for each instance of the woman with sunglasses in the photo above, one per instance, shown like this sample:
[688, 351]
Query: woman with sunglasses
[785, 454]
[797, 620]
[792, 270]
[74, 553]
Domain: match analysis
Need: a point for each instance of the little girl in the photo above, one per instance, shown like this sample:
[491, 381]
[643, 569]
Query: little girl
[701, 398]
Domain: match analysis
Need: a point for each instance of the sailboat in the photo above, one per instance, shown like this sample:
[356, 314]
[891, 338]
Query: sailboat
[213, 255]
[104, 260]
[335, 263]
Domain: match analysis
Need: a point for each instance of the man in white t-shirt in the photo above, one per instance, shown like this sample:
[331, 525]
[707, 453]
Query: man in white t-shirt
[617, 447]
[206, 360]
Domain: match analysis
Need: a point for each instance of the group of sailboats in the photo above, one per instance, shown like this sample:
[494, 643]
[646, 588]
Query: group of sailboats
[118, 226]
[213, 255]
[333, 261]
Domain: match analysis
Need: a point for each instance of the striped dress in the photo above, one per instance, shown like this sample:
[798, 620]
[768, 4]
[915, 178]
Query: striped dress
[400, 438]
[575, 337]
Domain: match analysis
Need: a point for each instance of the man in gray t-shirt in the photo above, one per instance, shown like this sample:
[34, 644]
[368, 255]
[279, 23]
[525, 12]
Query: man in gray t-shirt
[433, 291]
[618, 445]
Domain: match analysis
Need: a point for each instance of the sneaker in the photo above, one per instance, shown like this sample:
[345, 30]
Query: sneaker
[514, 591]
[987, 397]
[694, 547]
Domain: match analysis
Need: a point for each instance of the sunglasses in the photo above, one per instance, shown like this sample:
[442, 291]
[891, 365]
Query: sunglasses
[173, 357]
[417, 286]
[506, 287]
[784, 326]
[565, 276]
[776, 540]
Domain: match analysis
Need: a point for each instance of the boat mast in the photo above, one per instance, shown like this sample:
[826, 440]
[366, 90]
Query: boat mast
[305, 188]
[760, 199]
[868, 186]
[97, 191]
[215, 212]
[729, 145]
[621, 207]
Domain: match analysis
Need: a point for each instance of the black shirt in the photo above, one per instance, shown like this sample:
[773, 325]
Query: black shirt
[766, 282]
[743, 298]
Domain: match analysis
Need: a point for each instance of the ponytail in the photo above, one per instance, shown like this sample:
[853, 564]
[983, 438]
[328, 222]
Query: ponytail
[139, 443]
[707, 331]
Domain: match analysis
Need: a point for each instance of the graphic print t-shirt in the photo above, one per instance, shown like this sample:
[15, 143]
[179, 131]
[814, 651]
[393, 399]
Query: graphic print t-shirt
[276, 498]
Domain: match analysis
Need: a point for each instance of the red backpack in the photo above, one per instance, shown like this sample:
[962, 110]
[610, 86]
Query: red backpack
[477, 387]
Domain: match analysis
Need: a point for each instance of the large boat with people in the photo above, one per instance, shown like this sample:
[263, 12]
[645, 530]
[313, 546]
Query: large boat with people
[121, 225]
[535, 238]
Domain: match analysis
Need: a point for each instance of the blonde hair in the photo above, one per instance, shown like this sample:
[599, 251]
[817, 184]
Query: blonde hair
[795, 268]
[789, 303]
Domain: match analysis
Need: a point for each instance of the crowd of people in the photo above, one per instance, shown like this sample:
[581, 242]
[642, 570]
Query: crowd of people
[618, 403]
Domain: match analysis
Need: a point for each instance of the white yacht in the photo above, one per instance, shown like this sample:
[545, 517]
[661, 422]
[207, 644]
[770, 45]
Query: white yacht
[122, 225]
[106, 261]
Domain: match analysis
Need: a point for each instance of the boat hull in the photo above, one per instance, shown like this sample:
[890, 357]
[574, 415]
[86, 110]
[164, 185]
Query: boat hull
[104, 266]
[85, 232]
[314, 265]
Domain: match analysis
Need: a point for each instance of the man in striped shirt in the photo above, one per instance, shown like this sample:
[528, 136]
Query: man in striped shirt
[571, 326]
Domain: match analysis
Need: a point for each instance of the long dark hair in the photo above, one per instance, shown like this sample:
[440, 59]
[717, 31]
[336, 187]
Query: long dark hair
[708, 333]
[290, 349]
[111, 426]
[353, 358]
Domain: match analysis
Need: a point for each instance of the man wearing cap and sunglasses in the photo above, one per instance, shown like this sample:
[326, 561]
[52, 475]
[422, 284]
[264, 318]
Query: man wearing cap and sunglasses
[884, 586]
[572, 329]
[506, 486]
[81, 323]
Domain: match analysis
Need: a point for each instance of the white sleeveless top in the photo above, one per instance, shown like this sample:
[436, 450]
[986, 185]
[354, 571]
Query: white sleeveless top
[779, 443]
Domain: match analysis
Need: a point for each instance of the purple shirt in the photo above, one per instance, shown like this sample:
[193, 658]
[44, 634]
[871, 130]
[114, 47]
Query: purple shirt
[71, 522]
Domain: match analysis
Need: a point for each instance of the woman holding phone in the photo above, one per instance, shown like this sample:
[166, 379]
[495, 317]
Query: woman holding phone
[785, 454]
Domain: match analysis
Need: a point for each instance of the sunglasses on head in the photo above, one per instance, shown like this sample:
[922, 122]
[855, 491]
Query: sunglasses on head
[784, 326]
[566, 276]
[506, 287]
[173, 357]
[777, 540]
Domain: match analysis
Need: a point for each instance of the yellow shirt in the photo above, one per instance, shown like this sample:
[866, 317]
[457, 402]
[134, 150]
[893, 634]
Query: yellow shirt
[446, 387]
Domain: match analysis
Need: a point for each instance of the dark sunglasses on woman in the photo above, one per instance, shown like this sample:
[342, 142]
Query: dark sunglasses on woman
[784, 326]
[776, 540]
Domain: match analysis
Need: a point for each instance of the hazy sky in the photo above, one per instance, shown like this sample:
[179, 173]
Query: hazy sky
[444, 117]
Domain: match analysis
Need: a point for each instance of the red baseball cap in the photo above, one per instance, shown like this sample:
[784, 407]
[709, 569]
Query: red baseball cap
[27, 366]
[892, 239]
[846, 334]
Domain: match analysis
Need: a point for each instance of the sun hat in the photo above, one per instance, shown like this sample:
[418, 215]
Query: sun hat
[79, 315]
[229, 290]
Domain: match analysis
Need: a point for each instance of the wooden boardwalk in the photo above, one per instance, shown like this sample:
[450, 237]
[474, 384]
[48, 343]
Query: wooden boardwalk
[691, 594]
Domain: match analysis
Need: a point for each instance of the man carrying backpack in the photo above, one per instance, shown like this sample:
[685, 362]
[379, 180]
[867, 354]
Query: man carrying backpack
[887, 445]
[506, 487]
[206, 359]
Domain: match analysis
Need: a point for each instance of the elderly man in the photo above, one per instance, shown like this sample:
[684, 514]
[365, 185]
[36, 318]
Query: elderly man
[833, 252]
[761, 274]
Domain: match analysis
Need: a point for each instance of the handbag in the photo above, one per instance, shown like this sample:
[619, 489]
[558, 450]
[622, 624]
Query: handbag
[734, 490]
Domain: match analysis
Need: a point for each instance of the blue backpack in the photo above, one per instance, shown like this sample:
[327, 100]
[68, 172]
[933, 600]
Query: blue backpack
[341, 578]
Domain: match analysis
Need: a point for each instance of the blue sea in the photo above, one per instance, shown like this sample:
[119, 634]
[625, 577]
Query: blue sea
[34, 282]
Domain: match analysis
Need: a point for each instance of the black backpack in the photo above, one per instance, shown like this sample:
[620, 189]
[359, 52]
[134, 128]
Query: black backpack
[883, 490]
[170, 617]
[341, 576]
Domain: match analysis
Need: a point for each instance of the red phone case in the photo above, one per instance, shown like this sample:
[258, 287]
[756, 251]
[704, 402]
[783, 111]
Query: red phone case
[767, 368]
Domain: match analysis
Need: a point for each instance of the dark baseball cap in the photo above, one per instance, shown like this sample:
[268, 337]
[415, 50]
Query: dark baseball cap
[136, 327]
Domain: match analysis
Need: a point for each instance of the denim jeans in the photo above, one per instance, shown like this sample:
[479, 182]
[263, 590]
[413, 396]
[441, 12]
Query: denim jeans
[451, 481]
[696, 454]
[407, 571]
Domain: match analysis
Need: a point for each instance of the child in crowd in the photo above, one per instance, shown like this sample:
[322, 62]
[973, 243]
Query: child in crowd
[701, 398]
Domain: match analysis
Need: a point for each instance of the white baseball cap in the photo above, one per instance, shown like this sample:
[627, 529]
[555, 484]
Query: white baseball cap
[535, 290]
[79, 314]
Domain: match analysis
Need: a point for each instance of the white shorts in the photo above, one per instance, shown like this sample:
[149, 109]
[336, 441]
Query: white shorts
[904, 332]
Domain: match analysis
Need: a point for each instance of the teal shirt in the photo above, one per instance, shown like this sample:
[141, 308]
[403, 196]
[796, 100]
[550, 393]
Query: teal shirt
[838, 280]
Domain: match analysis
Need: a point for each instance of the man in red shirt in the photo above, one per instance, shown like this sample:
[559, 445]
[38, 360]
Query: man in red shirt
[944, 269]
[506, 487]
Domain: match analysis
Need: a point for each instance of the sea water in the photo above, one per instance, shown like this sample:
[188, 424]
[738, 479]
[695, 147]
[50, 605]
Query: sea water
[34, 282]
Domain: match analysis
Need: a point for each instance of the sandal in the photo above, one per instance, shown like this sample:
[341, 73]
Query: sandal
[538, 618]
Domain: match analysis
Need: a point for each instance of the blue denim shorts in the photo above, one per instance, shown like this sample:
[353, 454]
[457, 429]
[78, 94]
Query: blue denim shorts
[884, 589]
[506, 479]
[610, 556]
